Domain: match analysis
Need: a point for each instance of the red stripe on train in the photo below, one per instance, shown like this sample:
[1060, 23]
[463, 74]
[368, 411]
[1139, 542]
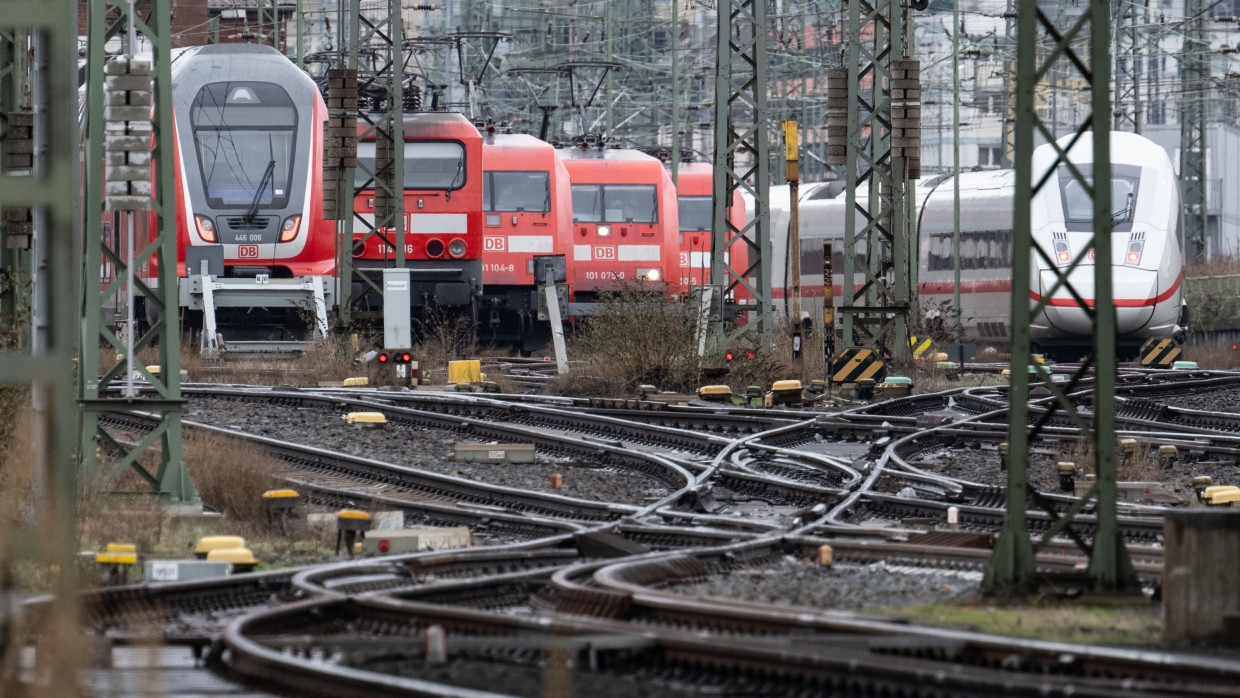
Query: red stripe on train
[1118, 302]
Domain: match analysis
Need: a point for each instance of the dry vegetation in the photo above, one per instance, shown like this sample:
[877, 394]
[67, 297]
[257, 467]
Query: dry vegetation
[634, 341]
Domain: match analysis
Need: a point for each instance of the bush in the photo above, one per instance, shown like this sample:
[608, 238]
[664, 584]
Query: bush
[636, 338]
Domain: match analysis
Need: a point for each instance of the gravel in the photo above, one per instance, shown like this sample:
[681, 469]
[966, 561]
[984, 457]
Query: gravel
[843, 587]
[982, 465]
[425, 449]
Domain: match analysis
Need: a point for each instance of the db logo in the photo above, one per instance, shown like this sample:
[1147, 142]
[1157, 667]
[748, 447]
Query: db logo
[493, 244]
[604, 253]
[247, 251]
[684, 259]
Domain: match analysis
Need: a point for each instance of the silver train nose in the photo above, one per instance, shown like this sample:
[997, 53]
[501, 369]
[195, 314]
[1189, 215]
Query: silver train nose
[1135, 295]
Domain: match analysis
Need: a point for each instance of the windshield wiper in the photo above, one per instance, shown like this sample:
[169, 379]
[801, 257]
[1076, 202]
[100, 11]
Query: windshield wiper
[1123, 214]
[547, 197]
[268, 175]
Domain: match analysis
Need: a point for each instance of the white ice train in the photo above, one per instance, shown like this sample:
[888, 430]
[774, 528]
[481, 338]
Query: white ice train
[1147, 247]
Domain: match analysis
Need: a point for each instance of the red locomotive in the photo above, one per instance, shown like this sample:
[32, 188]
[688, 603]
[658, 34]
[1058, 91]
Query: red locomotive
[527, 208]
[443, 215]
[625, 223]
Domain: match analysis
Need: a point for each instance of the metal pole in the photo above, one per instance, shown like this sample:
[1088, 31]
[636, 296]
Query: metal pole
[675, 92]
[959, 321]
[793, 177]
[301, 36]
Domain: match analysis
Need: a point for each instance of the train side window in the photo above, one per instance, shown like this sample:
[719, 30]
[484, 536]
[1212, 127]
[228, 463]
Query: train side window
[837, 259]
[968, 251]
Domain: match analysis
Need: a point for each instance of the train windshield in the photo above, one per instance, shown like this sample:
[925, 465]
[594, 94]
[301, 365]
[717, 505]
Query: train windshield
[516, 191]
[428, 165]
[695, 213]
[1078, 204]
[244, 133]
[615, 203]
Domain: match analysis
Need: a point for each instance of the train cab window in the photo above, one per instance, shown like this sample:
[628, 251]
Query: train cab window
[630, 203]
[244, 135]
[587, 203]
[1078, 204]
[516, 191]
[615, 203]
[695, 213]
[428, 165]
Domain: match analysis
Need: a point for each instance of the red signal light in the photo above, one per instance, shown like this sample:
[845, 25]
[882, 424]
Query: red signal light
[383, 358]
[750, 356]
[1235, 347]
[728, 356]
[406, 358]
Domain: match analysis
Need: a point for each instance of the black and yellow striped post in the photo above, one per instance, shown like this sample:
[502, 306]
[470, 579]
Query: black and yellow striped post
[858, 363]
[1159, 353]
[922, 347]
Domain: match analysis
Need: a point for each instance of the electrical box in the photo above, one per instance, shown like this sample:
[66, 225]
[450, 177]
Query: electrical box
[397, 330]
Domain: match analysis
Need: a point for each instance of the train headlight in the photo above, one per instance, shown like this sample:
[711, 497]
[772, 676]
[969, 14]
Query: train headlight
[1133, 256]
[456, 248]
[604, 231]
[650, 274]
[206, 228]
[288, 229]
[434, 248]
[1062, 255]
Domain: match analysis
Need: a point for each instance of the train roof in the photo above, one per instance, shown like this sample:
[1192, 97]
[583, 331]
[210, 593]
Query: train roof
[432, 126]
[605, 155]
[611, 164]
[511, 151]
[695, 178]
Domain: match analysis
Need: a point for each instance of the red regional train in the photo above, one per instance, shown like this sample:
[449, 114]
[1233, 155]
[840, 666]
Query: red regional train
[249, 130]
[625, 223]
[527, 207]
[443, 215]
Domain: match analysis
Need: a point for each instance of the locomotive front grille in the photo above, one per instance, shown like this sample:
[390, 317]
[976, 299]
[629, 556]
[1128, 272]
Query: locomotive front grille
[241, 223]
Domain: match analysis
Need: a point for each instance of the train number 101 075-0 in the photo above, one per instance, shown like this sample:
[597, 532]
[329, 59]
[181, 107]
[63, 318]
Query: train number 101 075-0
[605, 276]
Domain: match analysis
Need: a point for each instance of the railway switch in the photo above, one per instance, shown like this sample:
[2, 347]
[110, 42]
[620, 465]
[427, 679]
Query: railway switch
[241, 559]
[280, 504]
[896, 386]
[786, 392]
[208, 543]
[1067, 477]
[715, 393]
[350, 525]
[116, 562]
[366, 420]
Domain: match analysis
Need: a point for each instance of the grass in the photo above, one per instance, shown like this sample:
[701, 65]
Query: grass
[1081, 623]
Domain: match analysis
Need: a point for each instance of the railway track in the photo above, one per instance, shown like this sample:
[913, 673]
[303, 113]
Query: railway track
[593, 589]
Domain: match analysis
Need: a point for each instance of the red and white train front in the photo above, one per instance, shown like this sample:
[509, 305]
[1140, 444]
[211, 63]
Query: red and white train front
[249, 126]
[443, 213]
[1146, 243]
[528, 211]
[625, 223]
